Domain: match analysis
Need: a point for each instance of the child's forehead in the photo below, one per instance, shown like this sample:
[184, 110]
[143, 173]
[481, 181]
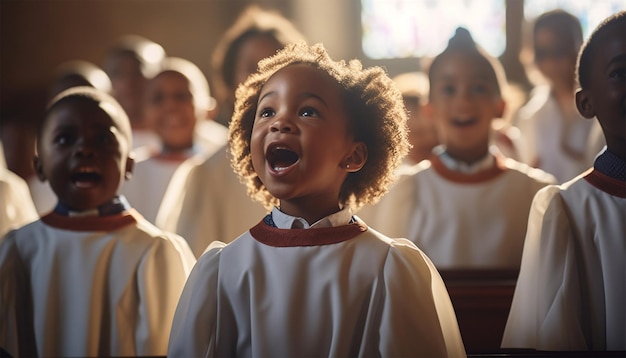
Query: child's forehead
[300, 70]
[88, 113]
[171, 76]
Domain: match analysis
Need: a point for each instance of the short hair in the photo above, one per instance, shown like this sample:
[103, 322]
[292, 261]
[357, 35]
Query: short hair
[463, 43]
[565, 25]
[81, 72]
[147, 52]
[252, 22]
[197, 80]
[92, 95]
[585, 57]
[376, 116]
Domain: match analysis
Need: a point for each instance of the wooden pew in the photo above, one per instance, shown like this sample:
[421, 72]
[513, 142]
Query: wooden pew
[481, 300]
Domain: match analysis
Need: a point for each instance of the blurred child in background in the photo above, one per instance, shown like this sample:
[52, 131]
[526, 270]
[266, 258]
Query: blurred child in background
[208, 187]
[176, 99]
[467, 206]
[554, 136]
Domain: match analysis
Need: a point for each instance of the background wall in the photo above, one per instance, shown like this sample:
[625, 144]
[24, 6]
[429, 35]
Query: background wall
[38, 35]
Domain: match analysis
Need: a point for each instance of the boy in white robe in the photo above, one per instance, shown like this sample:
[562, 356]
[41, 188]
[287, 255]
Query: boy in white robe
[177, 98]
[467, 206]
[571, 290]
[314, 138]
[92, 278]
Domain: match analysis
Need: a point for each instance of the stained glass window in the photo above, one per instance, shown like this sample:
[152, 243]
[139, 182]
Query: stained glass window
[415, 28]
[589, 12]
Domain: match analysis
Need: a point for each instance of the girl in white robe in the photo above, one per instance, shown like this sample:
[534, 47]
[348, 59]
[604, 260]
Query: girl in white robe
[310, 279]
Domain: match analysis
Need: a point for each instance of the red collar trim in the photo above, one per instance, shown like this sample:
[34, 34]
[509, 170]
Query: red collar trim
[478, 177]
[92, 223]
[605, 183]
[272, 236]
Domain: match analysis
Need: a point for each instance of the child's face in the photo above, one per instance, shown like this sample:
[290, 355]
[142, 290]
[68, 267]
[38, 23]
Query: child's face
[250, 53]
[83, 154]
[605, 96]
[170, 110]
[464, 100]
[555, 58]
[300, 143]
[127, 84]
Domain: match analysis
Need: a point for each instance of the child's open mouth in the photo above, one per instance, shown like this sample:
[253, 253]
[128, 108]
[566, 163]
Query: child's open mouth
[464, 122]
[280, 158]
[85, 178]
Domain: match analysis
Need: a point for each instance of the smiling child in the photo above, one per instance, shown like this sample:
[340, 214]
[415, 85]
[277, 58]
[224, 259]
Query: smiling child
[467, 205]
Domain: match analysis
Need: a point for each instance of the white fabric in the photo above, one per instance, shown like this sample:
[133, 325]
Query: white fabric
[571, 291]
[367, 296]
[147, 186]
[205, 201]
[16, 204]
[457, 224]
[210, 135]
[90, 293]
[42, 195]
[544, 131]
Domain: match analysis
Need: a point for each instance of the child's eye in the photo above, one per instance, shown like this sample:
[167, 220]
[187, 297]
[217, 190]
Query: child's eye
[309, 112]
[182, 97]
[266, 112]
[448, 89]
[157, 98]
[105, 138]
[619, 74]
[64, 139]
[480, 89]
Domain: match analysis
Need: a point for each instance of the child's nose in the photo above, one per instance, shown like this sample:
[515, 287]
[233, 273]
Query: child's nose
[282, 124]
[84, 149]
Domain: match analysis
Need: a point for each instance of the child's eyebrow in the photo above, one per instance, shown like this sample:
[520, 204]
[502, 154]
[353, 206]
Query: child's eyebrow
[619, 58]
[313, 95]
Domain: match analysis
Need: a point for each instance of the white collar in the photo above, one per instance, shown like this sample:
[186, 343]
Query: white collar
[456, 165]
[284, 221]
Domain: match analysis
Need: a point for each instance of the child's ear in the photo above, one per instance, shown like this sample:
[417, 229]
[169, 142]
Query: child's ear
[584, 105]
[130, 165]
[357, 158]
[501, 106]
[39, 168]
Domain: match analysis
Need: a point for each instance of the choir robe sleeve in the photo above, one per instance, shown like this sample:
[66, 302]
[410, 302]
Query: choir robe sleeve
[16, 331]
[194, 328]
[161, 276]
[415, 293]
[546, 309]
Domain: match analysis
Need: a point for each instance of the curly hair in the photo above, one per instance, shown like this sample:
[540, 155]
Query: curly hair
[377, 117]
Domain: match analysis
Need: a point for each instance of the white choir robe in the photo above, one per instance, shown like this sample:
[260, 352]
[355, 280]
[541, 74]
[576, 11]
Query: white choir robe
[90, 286]
[16, 205]
[341, 291]
[205, 201]
[461, 220]
[571, 291]
[545, 134]
[150, 178]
